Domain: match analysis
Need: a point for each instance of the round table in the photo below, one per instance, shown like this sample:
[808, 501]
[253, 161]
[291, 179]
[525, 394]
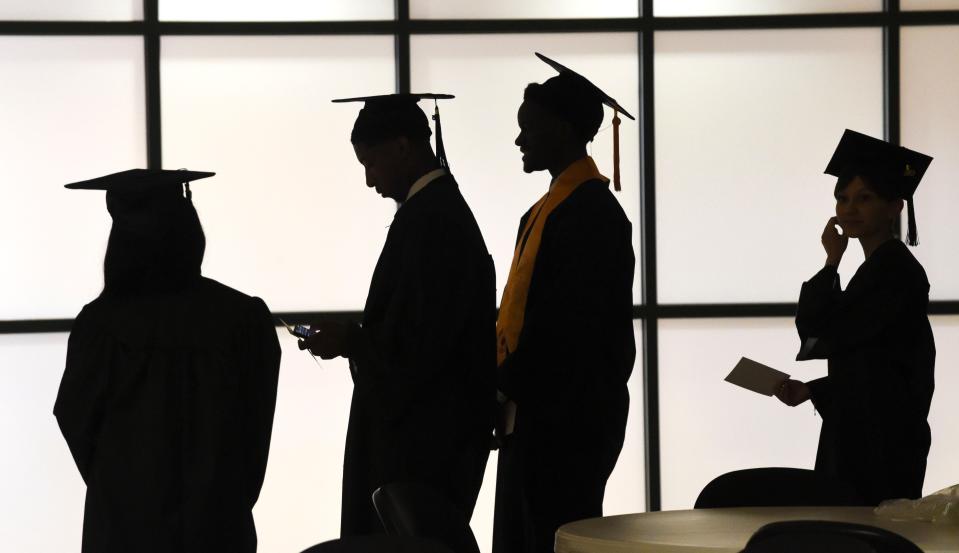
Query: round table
[727, 530]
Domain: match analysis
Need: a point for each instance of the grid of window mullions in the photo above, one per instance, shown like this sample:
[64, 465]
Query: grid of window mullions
[890, 19]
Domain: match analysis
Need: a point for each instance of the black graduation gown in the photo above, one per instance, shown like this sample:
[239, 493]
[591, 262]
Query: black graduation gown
[875, 399]
[423, 362]
[167, 406]
[568, 374]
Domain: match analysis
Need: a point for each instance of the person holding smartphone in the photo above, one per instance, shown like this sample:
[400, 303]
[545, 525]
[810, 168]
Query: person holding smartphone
[875, 333]
[423, 359]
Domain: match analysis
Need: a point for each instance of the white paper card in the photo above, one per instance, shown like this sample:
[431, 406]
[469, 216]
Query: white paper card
[756, 377]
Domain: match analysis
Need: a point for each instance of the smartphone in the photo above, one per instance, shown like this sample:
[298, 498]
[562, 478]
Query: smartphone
[300, 331]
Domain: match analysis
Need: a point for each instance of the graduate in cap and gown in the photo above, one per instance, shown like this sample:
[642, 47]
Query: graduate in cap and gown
[423, 360]
[875, 333]
[565, 330]
[169, 389]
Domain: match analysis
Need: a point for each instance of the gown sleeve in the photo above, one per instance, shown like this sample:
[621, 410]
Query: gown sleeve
[260, 353]
[819, 296]
[830, 321]
[83, 390]
[820, 392]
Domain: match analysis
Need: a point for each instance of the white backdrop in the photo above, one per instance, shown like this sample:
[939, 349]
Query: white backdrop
[53, 239]
[745, 124]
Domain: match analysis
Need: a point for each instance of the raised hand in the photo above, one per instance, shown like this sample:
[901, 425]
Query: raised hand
[833, 242]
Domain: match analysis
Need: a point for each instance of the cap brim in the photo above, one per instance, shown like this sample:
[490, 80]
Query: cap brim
[411, 96]
[139, 177]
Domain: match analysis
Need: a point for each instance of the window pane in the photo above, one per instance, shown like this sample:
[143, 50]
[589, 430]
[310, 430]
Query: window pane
[288, 216]
[929, 4]
[745, 124]
[944, 414]
[664, 8]
[930, 117]
[71, 10]
[41, 493]
[299, 504]
[72, 108]
[528, 9]
[276, 10]
[709, 427]
[488, 74]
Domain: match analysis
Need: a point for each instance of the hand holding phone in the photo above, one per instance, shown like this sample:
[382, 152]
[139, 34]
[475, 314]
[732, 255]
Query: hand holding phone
[328, 339]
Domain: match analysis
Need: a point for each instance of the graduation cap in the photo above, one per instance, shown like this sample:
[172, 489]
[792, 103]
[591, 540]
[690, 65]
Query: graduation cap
[900, 169]
[143, 181]
[138, 189]
[580, 102]
[391, 115]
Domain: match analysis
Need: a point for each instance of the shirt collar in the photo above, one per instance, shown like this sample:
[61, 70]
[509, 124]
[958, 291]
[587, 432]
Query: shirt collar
[424, 180]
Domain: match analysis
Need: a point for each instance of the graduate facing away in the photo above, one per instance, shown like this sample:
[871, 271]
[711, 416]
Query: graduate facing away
[875, 334]
[167, 398]
[423, 361]
[565, 331]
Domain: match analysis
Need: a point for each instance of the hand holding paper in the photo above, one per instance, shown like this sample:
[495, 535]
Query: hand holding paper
[757, 377]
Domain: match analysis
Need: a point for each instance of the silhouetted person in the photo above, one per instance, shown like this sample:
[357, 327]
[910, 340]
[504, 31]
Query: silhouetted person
[875, 333]
[565, 329]
[423, 360]
[168, 394]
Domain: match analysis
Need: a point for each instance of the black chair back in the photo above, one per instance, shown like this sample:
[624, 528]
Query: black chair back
[776, 487]
[379, 544]
[415, 509]
[803, 536]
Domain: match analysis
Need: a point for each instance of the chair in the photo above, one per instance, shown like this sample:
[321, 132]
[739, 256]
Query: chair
[379, 544]
[415, 509]
[804, 536]
[776, 487]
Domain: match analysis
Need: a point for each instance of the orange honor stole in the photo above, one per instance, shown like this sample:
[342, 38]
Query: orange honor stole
[512, 310]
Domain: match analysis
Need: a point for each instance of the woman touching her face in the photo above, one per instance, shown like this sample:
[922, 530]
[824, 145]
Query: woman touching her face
[875, 333]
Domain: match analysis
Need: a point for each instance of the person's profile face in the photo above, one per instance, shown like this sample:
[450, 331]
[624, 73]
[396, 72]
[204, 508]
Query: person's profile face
[381, 164]
[539, 136]
[863, 213]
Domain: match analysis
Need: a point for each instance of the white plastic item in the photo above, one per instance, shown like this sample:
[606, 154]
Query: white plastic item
[941, 507]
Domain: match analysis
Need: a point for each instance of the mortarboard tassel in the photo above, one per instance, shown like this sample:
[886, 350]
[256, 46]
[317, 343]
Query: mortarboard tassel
[440, 149]
[186, 188]
[912, 237]
[616, 121]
